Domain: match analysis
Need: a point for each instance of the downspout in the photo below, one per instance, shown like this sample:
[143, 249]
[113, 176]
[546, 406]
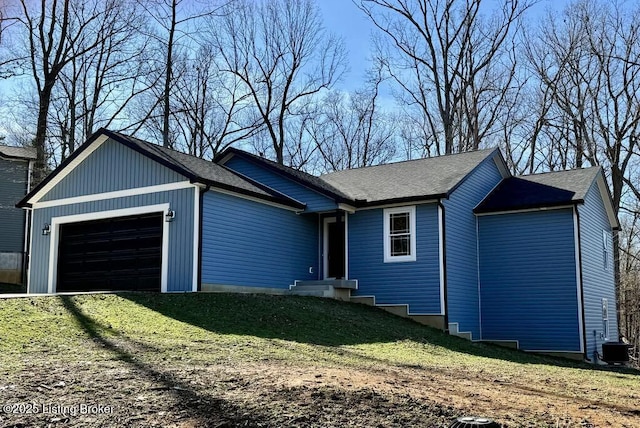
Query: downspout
[581, 282]
[201, 197]
[443, 263]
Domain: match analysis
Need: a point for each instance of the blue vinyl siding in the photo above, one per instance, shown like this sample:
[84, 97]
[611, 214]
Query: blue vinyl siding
[528, 280]
[414, 283]
[598, 281]
[463, 304]
[13, 187]
[180, 269]
[246, 243]
[111, 167]
[315, 201]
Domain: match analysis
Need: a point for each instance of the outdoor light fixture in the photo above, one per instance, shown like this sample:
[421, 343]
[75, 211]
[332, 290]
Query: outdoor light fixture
[170, 215]
[46, 229]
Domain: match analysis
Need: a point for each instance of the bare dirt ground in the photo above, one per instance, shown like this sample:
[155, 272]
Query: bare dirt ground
[271, 394]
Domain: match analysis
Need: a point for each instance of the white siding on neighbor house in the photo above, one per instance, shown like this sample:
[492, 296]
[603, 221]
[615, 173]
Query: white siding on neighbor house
[598, 278]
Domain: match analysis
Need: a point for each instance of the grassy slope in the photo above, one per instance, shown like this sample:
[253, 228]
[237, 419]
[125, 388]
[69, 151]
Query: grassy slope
[208, 329]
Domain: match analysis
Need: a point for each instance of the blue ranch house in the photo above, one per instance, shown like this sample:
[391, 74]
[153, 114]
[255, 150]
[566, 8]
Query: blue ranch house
[455, 242]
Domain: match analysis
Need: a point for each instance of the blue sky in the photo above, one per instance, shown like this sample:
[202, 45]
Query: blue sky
[342, 17]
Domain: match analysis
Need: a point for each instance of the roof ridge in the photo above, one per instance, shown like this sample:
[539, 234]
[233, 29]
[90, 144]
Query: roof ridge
[558, 172]
[411, 160]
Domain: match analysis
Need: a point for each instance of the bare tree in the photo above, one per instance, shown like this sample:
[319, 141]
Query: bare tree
[95, 87]
[212, 109]
[587, 62]
[280, 52]
[57, 32]
[177, 25]
[352, 131]
[445, 58]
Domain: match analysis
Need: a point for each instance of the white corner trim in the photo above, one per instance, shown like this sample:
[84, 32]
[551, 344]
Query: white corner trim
[67, 170]
[115, 194]
[346, 246]
[576, 229]
[100, 215]
[441, 258]
[196, 235]
[386, 239]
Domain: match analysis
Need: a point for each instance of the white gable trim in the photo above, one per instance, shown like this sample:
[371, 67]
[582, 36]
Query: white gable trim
[115, 194]
[99, 215]
[606, 201]
[254, 199]
[67, 170]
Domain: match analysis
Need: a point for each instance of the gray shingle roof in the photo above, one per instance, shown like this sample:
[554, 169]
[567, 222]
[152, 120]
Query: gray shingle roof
[540, 190]
[204, 171]
[18, 152]
[302, 177]
[430, 177]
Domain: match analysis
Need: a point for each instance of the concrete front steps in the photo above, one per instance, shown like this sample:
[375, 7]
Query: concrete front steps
[436, 321]
[339, 289]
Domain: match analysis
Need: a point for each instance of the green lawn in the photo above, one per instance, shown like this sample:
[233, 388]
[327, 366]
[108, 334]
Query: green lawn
[271, 354]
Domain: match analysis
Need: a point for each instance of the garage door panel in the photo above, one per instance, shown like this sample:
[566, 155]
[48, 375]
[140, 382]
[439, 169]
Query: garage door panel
[123, 253]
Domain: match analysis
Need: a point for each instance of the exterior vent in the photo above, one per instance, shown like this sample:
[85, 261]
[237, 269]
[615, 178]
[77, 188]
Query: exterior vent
[471, 422]
[615, 352]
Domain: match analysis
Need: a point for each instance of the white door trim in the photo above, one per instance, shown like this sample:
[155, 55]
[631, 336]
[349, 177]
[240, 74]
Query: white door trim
[100, 215]
[325, 246]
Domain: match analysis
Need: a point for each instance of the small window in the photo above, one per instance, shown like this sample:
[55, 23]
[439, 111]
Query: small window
[605, 319]
[606, 239]
[400, 234]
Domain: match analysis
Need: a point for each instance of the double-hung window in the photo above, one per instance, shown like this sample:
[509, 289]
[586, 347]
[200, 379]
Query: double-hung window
[400, 234]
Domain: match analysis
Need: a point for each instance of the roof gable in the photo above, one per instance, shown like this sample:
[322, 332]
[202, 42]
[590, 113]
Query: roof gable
[311, 181]
[194, 169]
[551, 189]
[410, 180]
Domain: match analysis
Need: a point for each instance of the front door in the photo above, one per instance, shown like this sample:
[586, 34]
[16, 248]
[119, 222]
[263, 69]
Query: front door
[334, 249]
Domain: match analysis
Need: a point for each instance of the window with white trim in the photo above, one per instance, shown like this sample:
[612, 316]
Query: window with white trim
[605, 319]
[400, 234]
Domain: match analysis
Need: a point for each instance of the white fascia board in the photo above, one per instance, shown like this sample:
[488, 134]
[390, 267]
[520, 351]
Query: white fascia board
[67, 170]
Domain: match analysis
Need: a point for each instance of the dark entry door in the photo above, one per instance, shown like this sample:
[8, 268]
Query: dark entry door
[115, 254]
[335, 250]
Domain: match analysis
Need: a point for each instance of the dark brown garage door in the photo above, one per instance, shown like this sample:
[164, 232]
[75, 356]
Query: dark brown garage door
[115, 254]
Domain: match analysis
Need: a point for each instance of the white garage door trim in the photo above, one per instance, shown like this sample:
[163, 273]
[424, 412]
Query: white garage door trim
[101, 215]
